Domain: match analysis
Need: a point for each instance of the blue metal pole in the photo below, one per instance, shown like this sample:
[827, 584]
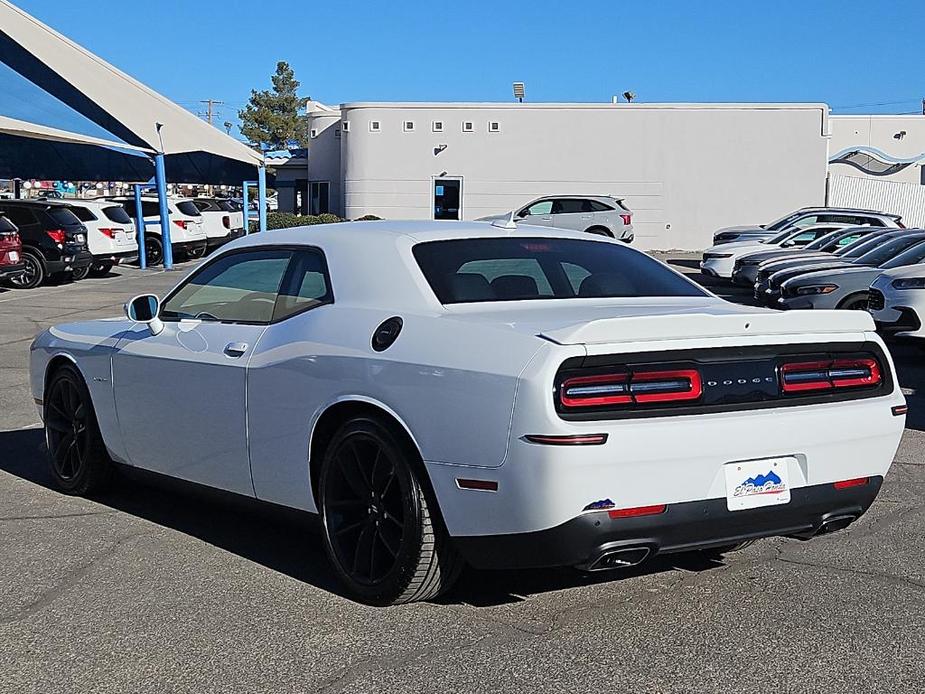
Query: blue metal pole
[160, 178]
[247, 210]
[262, 198]
[140, 229]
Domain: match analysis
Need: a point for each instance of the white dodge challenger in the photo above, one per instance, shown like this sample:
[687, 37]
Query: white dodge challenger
[449, 392]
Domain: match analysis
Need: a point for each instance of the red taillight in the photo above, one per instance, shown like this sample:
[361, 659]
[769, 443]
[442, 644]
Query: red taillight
[830, 374]
[631, 387]
[57, 235]
[111, 233]
[180, 223]
[637, 511]
[478, 485]
[627, 219]
[847, 484]
[226, 221]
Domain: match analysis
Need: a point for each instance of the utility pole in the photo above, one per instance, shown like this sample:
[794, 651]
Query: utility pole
[210, 113]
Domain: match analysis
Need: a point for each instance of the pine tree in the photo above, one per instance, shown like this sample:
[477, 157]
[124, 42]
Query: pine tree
[271, 117]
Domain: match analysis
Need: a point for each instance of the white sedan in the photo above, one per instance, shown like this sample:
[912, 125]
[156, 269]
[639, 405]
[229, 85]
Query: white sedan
[450, 392]
[897, 301]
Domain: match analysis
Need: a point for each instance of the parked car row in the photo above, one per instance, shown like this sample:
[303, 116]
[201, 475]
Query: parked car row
[55, 239]
[878, 266]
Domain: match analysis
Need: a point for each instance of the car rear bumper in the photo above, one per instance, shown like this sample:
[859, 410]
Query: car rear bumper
[907, 321]
[584, 540]
[68, 262]
[116, 258]
[8, 271]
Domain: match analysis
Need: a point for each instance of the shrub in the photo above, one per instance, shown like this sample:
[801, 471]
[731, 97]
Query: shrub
[287, 220]
[367, 218]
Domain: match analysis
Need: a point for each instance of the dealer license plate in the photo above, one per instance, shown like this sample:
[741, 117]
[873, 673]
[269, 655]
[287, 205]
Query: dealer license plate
[754, 483]
[14, 256]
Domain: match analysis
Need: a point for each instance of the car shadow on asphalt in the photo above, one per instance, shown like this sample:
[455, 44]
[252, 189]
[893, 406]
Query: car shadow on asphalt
[289, 541]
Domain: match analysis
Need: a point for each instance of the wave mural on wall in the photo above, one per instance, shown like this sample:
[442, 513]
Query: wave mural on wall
[874, 162]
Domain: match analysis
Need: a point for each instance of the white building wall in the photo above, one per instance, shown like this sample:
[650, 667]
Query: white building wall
[324, 156]
[684, 169]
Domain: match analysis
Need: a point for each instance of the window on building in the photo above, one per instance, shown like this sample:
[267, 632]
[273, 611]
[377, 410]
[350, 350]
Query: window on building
[374, 126]
[468, 126]
[438, 126]
[313, 133]
[346, 126]
[319, 197]
[494, 126]
[408, 126]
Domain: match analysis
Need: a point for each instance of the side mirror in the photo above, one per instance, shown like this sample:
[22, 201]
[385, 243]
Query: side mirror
[144, 309]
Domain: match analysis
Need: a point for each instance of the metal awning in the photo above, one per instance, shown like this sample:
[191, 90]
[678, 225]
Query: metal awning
[195, 151]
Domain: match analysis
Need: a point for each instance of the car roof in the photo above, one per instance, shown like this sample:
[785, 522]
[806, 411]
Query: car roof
[43, 202]
[860, 210]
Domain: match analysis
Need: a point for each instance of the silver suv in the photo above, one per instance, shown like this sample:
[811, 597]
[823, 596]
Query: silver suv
[595, 214]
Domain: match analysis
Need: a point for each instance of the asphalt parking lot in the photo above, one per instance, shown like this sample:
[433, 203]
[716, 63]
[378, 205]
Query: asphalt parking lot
[157, 589]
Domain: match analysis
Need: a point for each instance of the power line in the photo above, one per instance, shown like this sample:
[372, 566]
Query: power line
[882, 103]
[210, 106]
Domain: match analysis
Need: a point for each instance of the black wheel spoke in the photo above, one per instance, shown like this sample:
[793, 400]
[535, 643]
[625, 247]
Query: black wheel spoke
[56, 422]
[392, 519]
[351, 526]
[385, 543]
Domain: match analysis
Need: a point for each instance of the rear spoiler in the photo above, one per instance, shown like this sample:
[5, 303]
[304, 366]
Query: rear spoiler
[706, 325]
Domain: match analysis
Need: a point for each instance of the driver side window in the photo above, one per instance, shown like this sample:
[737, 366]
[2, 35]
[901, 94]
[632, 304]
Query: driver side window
[541, 207]
[236, 288]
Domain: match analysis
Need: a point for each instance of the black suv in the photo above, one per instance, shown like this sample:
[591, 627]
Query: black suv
[54, 241]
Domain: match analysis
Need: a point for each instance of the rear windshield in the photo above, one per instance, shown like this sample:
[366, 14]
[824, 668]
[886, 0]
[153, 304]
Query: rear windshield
[117, 214]
[83, 214]
[62, 216]
[513, 269]
[783, 222]
[188, 207]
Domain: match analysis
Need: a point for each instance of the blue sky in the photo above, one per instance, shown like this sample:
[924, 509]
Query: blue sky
[859, 57]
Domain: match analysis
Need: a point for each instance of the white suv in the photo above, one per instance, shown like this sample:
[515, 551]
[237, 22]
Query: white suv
[222, 221]
[187, 235]
[111, 235]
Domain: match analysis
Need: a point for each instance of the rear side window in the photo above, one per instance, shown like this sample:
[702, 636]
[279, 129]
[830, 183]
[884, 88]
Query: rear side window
[188, 207]
[117, 214]
[224, 206]
[149, 208]
[21, 216]
[6, 224]
[62, 215]
[306, 285]
[597, 206]
[83, 214]
[514, 269]
[568, 206]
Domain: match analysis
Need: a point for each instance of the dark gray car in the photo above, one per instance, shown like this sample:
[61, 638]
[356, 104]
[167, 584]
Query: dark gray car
[807, 216]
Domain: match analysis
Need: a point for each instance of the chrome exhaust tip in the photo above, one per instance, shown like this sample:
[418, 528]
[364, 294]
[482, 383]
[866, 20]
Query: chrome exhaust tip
[835, 523]
[621, 558]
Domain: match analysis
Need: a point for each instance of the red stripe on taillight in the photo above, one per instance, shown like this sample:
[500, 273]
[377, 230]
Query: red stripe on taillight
[180, 223]
[111, 233]
[847, 484]
[627, 219]
[56, 235]
[799, 377]
[637, 511]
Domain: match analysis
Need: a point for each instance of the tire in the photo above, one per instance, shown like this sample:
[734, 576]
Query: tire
[100, 269]
[82, 273]
[154, 250]
[35, 273]
[76, 453]
[856, 302]
[372, 499]
[600, 231]
[718, 552]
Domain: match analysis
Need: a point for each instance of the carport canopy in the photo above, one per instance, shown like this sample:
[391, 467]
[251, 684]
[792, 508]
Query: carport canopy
[195, 151]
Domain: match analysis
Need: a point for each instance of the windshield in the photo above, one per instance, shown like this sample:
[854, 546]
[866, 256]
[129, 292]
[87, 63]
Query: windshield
[514, 269]
[887, 250]
[823, 240]
[117, 214]
[856, 249]
[910, 256]
[783, 222]
[783, 236]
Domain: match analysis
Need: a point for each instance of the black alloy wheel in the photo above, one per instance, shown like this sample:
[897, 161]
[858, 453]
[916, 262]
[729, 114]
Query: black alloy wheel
[33, 274]
[81, 273]
[154, 250]
[377, 522]
[79, 463]
[100, 269]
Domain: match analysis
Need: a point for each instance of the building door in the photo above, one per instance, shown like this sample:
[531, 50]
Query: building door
[319, 197]
[447, 198]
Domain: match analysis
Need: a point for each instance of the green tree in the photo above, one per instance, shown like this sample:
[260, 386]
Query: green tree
[272, 116]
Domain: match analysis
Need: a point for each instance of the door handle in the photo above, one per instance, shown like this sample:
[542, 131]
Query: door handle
[235, 349]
